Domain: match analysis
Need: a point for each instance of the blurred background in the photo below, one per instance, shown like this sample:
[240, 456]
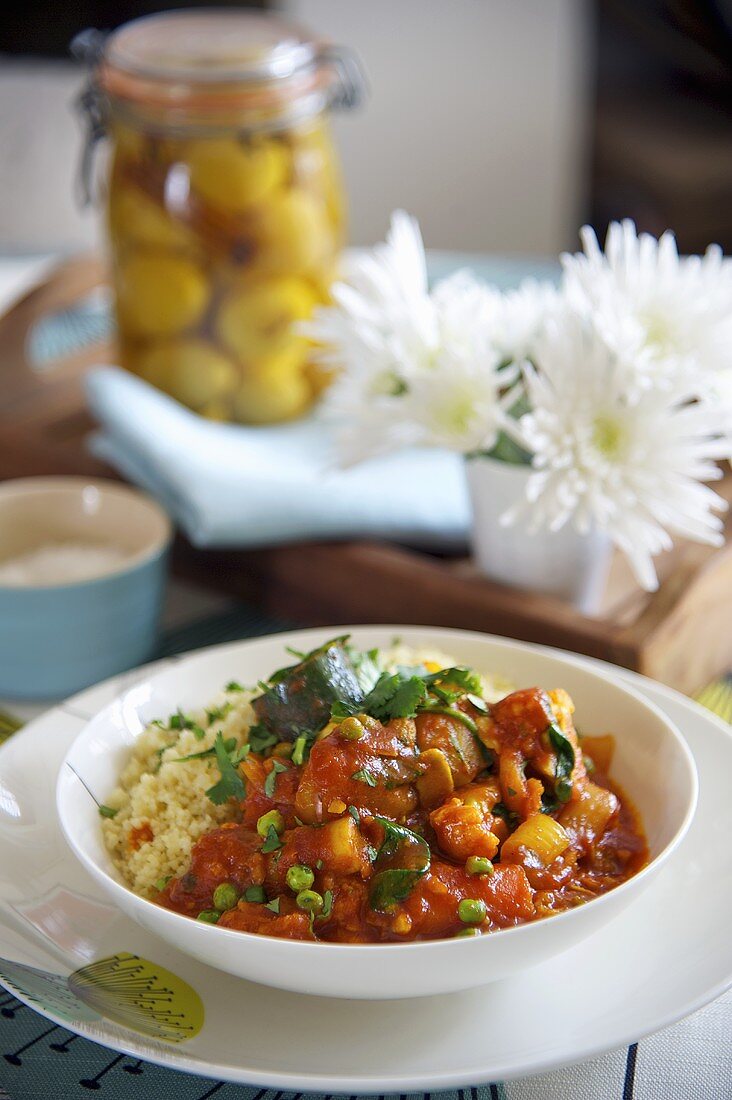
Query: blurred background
[501, 125]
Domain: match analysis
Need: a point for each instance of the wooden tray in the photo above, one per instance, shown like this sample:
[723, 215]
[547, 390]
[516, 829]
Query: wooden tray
[680, 635]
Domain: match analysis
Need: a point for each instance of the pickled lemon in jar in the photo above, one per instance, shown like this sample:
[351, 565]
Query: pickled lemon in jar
[225, 207]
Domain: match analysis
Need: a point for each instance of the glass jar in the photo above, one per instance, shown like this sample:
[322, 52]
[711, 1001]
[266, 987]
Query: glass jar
[225, 207]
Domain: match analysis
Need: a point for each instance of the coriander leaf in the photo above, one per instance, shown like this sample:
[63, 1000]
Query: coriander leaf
[260, 738]
[301, 748]
[342, 709]
[509, 816]
[231, 784]
[395, 697]
[564, 767]
[271, 780]
[364, 776]
[272, 841]
[180, 721]
[458, 676]
[273, 906]
[234, 685]
[327, 906]
[217, 713]
[163, 882]
[354, 814]
[400, 862]
[107, 811]
[229, 745]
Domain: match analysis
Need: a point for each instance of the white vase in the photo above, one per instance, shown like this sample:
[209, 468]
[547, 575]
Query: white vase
[564, 563]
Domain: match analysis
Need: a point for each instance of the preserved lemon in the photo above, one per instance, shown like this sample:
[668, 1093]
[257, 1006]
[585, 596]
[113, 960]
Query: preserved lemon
[159, 295]
[262, 398]
[257, 319]
[293, 234]
[193, 371]
[235, 175]
[134, 218]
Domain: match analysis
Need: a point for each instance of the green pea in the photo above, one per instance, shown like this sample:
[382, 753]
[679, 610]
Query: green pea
[225, 896]
[466, 933]
[563, 789]
[272, 819]
[472, 911]
[210, 916]
[255, 893]
[310, 901]
[351, 729]
[299, 877]
[479, 865]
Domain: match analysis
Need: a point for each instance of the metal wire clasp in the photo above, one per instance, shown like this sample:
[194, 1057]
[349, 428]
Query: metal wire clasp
[88, 48]
[351, 88]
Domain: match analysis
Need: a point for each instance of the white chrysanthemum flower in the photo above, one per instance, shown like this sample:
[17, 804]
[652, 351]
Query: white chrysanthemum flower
[522, 315]
[414, 367]
[666, 317]
[632, 465]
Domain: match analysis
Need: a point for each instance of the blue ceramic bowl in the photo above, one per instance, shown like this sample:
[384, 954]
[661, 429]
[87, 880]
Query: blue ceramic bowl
[57, 636]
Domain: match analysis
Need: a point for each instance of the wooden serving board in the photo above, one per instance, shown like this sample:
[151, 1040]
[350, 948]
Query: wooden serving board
[680, 635]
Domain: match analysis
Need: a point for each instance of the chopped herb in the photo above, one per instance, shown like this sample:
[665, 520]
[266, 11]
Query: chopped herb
[512, 792]
[509, 816]
[327, 905]
[354, 814]
[234, 685]
[231, 784]
[107, 811]
[163, 882]
[180, 721]
[216, 714]
[272, 841]
[271, 780]
[301, 748]
[319, 864]
[392, 696]
[260, 738]
[198, 732]
[404, 857]
[458, 676]
[364, 776]
[229, 745]
[564, 762]
[273, 906]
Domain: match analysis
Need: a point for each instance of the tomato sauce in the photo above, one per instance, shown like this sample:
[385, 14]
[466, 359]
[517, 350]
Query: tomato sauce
[461, 822]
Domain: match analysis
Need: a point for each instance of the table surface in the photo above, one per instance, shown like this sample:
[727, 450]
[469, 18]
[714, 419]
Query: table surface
[44, 1061]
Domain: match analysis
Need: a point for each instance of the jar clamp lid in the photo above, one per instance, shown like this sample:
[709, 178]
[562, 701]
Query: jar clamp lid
[215, 69]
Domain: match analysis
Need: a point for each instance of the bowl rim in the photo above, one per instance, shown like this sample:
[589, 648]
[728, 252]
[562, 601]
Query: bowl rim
[296, 947]
[155, 546]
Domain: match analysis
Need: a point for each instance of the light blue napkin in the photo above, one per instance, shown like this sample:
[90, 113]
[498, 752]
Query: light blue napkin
[228, 485]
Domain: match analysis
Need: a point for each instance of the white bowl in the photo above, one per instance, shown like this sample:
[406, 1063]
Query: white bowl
[652, 764]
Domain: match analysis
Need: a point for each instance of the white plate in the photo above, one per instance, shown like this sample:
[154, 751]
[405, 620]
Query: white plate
[667, 955]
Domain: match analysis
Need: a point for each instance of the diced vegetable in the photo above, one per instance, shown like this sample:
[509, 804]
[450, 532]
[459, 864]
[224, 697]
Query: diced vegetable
[586, 819]
[436, 782]
[539, 834]
[301, 697]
